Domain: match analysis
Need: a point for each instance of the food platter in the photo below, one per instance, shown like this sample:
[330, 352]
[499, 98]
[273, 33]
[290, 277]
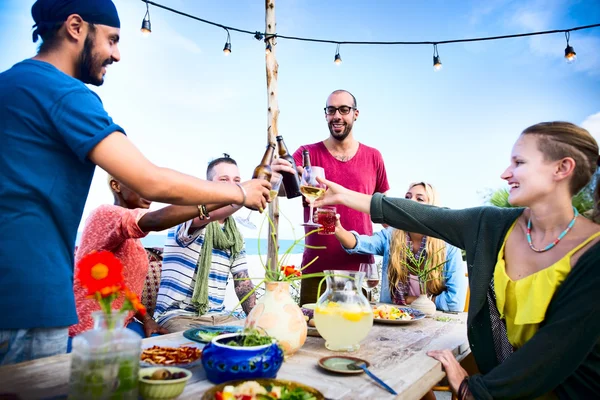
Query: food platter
[396, 315]
[310, 392]
[171, 354]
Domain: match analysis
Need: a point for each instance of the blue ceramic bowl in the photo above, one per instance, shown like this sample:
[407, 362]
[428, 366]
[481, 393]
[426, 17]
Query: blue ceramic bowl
[226, 363]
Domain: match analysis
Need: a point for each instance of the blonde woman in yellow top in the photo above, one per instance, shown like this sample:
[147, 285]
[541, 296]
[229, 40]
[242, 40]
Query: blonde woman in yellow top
[534, 270]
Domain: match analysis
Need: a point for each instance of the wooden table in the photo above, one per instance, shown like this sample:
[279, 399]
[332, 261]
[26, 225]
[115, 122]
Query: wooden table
[396, 353]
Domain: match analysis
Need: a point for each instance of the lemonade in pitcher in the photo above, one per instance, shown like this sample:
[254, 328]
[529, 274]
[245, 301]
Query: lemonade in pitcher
[343, 315]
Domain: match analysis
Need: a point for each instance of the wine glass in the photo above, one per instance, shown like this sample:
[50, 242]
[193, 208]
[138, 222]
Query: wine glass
[371, 279]
[245, 222]
[276, 180]
[312, 190]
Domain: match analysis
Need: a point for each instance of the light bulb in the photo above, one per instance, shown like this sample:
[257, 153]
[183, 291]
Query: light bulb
[338, 59]
[146, 27]
[570, 55]
[227, 49]
[437, 63]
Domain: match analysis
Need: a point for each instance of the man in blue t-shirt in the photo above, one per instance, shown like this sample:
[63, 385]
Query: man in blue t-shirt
[54, 131]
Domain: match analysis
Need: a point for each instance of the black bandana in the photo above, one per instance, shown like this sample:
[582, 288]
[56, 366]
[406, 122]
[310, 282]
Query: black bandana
[47, 13]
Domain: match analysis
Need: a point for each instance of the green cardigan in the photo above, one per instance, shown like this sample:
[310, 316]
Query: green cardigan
[564, 355]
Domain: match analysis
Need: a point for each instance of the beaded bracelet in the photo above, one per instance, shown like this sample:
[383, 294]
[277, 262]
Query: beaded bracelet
[243, 193]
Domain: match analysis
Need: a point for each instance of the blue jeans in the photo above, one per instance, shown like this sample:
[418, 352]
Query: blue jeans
[18, 345]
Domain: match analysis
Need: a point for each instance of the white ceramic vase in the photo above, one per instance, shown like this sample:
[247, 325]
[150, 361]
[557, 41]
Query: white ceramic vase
[424, 304]
[279, 315]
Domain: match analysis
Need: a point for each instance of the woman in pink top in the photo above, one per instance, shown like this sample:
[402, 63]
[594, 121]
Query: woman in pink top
[118, 229]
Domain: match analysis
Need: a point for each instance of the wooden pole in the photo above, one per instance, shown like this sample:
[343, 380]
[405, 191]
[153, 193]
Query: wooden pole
[272, 117]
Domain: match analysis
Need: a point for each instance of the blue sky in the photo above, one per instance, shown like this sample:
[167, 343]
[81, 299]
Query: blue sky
[183, 102]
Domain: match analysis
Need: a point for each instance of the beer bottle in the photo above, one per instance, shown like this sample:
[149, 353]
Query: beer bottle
[306, 165]
[291, 182]
[263, 171]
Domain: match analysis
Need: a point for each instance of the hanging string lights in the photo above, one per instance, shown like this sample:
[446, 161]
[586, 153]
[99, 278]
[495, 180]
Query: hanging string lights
[337, 59]
[227, 48]
[570, 55]
[146, 27]
[437, 63]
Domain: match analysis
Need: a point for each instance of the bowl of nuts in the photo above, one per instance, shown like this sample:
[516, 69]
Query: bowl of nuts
[162, 383]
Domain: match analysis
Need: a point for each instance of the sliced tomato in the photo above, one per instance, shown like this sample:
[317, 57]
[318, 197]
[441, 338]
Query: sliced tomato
[219, 396]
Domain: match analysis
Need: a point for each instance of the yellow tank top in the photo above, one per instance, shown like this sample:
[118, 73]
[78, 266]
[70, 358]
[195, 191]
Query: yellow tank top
[523, 303]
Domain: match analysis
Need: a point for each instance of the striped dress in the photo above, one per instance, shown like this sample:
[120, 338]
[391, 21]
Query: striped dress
[178, 278]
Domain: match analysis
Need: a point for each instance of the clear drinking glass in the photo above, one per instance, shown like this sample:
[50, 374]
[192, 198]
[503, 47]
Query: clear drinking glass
[371, 279]
[312, 190]
[275, 185]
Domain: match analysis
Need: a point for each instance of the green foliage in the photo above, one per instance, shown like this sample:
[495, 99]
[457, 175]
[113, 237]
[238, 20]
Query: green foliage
[582, 201]
[415, 267]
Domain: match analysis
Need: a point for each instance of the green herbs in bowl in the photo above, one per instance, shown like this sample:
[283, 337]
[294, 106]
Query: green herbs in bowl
[162, 383]
[249, 338]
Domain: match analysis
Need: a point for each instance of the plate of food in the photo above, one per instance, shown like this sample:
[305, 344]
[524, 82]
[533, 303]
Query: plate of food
[389, 314]
[171, 354]
[205, 334]
[263, 389]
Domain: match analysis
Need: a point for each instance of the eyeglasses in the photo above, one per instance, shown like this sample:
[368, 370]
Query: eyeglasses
[344, 110]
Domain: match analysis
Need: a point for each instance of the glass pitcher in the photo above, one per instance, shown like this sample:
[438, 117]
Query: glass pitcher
[343, 315]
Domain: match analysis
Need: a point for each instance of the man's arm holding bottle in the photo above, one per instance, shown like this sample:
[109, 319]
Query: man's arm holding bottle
[117, 155]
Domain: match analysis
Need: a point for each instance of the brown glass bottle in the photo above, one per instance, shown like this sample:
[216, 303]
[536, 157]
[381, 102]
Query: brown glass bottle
[263, 171]
[291, 182]
[305, 159]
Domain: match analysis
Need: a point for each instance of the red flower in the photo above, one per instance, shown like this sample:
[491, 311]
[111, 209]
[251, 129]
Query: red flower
[289, 270]
[100, 272]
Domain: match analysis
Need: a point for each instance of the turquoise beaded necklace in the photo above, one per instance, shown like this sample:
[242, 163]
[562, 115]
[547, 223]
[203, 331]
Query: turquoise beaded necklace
[551, 245]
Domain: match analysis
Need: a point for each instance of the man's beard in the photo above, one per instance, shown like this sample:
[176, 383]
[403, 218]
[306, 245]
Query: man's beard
[340, 136]
[90, 67]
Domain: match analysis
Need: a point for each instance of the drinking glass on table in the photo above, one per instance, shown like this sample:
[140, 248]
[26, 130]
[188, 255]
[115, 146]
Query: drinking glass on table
[312, 190]
[371, 279]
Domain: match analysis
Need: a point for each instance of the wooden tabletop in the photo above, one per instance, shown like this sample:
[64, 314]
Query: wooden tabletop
[396, 353]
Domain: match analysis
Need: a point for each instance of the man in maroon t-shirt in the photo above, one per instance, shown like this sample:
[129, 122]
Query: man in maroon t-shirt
[352, 165]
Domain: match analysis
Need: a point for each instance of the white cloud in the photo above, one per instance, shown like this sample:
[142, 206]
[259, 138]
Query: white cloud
[592, 124]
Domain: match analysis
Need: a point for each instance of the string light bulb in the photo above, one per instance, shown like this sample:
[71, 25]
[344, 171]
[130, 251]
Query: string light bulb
[337, 59]
[570, 55]
[146, 26]
[437, 62]
[227, 48]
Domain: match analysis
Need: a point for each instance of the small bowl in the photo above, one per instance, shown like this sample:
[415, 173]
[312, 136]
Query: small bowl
[339, 364]
[162, 389]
